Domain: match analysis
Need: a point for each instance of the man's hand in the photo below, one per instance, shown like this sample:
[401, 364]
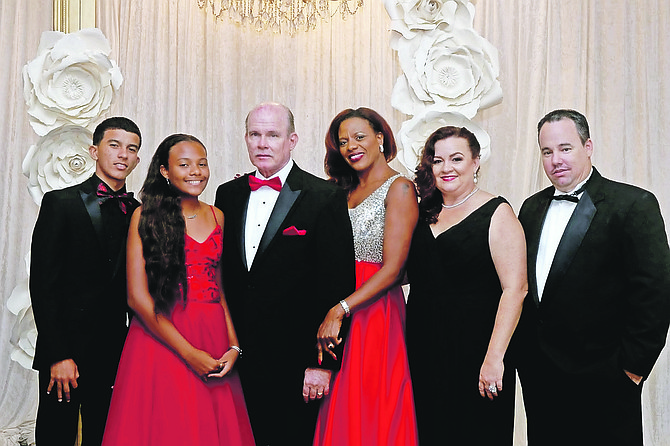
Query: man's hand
[316, 384]
[64, 375]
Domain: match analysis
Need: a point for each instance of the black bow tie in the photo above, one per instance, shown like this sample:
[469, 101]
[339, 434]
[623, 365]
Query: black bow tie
[574, 197]
[105, 194]
[566, 197]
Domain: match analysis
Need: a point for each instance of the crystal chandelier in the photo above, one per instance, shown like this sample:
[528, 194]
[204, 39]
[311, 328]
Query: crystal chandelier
[280, 15]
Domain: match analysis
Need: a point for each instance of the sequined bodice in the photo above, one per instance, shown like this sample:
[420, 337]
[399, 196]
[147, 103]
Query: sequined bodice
[367, 222]
[201, 261]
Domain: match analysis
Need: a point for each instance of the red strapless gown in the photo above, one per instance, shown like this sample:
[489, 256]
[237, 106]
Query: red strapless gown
[157, 399]
[371, 401]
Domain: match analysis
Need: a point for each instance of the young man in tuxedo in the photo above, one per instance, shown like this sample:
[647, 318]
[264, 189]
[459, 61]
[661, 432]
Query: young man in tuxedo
[288, 257]
[598, 308]
[78, 289]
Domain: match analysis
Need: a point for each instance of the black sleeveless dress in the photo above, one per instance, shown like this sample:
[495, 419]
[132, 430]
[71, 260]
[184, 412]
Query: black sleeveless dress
[451, 310]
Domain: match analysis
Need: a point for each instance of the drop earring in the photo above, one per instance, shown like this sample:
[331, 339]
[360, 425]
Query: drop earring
[381, 148]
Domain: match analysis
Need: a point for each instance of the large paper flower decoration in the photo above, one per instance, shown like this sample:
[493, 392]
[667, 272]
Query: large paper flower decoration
[59, 159]
[414, 133]
[71, 81]
[24, 332]
[409, 17]
[449, 72]
[453, 71]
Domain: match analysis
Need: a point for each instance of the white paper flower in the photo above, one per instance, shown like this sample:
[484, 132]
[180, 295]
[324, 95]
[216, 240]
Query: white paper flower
[411, 16]
[450, 71]
[414, 133]
[24, 332]
[59, 159]
[71, 81]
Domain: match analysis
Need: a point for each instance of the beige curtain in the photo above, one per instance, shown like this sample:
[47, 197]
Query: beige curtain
[186, 72]
[22, 24]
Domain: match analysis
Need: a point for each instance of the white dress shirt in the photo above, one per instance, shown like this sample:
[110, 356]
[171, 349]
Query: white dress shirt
[555, 222]
[261, 203]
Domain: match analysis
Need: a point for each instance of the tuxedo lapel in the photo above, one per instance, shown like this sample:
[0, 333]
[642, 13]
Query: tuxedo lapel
[287, 198]
[574, 233]
[533, 232]
[90, 200]
[240, 214]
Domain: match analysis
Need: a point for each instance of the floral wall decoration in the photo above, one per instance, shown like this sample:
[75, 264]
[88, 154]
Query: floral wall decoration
[71, 81]
[59, 159]
[67, 87]
[24, 333]
[449, 71]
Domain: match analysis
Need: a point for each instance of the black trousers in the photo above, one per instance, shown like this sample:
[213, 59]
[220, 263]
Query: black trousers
[601, 406]
[57, 422]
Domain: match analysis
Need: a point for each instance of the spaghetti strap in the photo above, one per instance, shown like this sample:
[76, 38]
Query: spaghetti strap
[211, 208]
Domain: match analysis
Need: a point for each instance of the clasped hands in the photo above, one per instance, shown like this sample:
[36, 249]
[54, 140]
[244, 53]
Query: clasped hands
[205, 366]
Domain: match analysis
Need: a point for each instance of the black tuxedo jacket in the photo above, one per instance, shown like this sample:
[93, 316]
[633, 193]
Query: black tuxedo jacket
[607, 295]
[78, 290]
[278, 304]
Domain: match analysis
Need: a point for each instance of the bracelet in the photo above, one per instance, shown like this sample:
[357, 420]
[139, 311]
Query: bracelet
[237, 349]
[345, 307]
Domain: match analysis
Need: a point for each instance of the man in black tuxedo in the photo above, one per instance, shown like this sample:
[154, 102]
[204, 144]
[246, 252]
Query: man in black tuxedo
[598, 309]
[288, 257]
[78, 289]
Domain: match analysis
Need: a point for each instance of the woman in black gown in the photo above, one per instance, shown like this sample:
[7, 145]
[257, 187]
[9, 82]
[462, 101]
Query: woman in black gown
[467, 273]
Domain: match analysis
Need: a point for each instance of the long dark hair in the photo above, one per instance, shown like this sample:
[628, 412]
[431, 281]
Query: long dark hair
[431, 198]
[162, 229]
[335, 166]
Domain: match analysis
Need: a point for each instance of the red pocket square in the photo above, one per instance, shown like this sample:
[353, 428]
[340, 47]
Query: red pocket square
[294, 231]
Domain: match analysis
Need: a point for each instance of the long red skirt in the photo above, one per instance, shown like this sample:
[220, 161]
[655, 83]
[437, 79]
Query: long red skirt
[159, 400]
[371, 401]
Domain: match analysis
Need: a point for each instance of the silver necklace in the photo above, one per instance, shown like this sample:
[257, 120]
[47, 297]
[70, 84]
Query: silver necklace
[191, 217]
[450, 206]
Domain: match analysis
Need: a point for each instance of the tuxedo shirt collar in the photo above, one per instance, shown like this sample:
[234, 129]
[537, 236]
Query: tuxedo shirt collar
[97, 180]
[282, 173]
[576, 188]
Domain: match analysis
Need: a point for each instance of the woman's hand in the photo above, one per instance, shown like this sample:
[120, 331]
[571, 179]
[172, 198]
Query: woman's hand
[226, 363]
[202, 363]
[490, 378]
[329, 331]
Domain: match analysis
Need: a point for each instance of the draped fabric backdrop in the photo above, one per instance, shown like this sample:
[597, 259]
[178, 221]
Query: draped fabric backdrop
[186, 72]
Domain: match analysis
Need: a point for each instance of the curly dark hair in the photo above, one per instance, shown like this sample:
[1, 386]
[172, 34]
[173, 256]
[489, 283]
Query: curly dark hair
[162, 228]
[431, 198]
[335, 166]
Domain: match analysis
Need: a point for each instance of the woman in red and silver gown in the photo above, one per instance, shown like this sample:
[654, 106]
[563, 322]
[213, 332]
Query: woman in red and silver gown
[176, 384]
[370, 401]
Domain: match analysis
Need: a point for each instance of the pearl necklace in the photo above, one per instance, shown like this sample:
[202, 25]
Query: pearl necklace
[450, 206]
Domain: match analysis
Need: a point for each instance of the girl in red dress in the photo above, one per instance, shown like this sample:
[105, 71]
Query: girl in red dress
[176, 384]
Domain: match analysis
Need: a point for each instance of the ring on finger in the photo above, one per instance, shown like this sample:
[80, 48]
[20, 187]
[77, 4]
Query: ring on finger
[493, 388]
